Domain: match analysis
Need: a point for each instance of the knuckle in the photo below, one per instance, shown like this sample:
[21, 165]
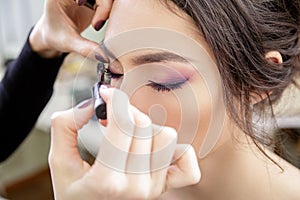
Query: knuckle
[56, 118]
[142, 190]
[84, 51]
[60, 118]
[53, 161]
[114, 185]
[57, 162]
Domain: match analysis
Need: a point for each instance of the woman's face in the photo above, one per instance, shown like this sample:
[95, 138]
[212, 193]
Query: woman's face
[160, 60]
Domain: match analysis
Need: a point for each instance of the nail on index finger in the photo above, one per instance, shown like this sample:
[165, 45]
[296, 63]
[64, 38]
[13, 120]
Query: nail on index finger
[90, 4]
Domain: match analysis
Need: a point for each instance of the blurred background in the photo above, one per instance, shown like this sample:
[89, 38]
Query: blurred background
[26, 171]
[25, 174]
[16, 19]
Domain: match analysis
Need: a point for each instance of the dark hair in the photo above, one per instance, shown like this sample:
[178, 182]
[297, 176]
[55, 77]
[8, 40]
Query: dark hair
[240, 33]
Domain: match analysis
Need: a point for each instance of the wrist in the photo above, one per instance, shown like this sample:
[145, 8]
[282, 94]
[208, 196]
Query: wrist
[37, 45]
[47, 53]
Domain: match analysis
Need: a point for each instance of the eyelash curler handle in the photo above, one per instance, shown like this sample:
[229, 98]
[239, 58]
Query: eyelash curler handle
[99, 104]
[104, 77]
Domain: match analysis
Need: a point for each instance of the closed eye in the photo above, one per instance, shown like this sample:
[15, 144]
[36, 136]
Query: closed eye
[115, 75]
[166, 87]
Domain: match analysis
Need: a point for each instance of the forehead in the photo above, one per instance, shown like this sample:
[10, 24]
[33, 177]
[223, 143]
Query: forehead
[128, 15]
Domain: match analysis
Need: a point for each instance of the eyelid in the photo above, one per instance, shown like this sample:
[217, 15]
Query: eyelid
[116, 67]
[114, 75]
[166, 87]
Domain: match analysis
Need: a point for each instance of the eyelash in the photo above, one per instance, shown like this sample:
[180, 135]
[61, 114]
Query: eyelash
[160, 87]
[114, 75]
[165, 87]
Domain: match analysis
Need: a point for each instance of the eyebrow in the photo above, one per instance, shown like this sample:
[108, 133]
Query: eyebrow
[148, 58]
[157, 57]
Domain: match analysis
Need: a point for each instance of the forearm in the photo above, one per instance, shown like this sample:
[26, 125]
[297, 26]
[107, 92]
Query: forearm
[24, 91]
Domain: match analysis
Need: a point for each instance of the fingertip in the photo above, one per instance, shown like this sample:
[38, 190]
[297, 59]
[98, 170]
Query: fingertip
[186, 170]
[98, 24]
[103, 122]
[61, 118]
[80, 2]
[106, 92]
[83, 46]
[102, 12]
[192, 169]
[140, 119]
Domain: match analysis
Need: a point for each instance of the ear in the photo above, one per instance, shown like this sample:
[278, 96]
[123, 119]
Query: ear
[272, 57]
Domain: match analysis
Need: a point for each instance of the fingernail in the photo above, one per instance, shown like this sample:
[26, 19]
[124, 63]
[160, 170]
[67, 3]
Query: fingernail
[99, 25]
[81, 2]
[100, 58]
[84, 104]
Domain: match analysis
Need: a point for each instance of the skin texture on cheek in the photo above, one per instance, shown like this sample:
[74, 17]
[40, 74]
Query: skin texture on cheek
[169, 109]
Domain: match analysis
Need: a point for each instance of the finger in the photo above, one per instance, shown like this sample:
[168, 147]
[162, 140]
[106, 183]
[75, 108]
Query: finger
[140, 151]
[64, 126]
[185, 171]
[80, 2]
[103, 8]
[118, 136]
[103, 122]
[88, 3]
[84, 47]
[164, 145]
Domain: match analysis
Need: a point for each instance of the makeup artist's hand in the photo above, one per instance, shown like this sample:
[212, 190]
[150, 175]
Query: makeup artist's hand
[58, 30]
[139, 147]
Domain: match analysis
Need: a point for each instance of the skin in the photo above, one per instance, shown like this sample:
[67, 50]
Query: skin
[147, 95]
[234, 169]
[59, 28]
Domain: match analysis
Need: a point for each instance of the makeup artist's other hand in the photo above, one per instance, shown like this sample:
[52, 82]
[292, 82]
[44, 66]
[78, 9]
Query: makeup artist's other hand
[132, 144]
[59, 28]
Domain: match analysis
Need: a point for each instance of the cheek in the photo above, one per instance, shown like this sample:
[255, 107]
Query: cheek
[188, 110]
[205, 107]
[162, 108]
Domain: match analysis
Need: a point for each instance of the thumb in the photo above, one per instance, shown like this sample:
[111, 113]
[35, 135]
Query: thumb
[64, 126]
[185, 171]
[84, 47]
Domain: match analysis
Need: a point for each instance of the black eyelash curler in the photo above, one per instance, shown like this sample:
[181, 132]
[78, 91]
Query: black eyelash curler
[104, 78]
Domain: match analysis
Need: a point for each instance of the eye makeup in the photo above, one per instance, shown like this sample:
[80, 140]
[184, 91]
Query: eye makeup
[166, 87]
[161, 71]
[162, 79]
[115, 75]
